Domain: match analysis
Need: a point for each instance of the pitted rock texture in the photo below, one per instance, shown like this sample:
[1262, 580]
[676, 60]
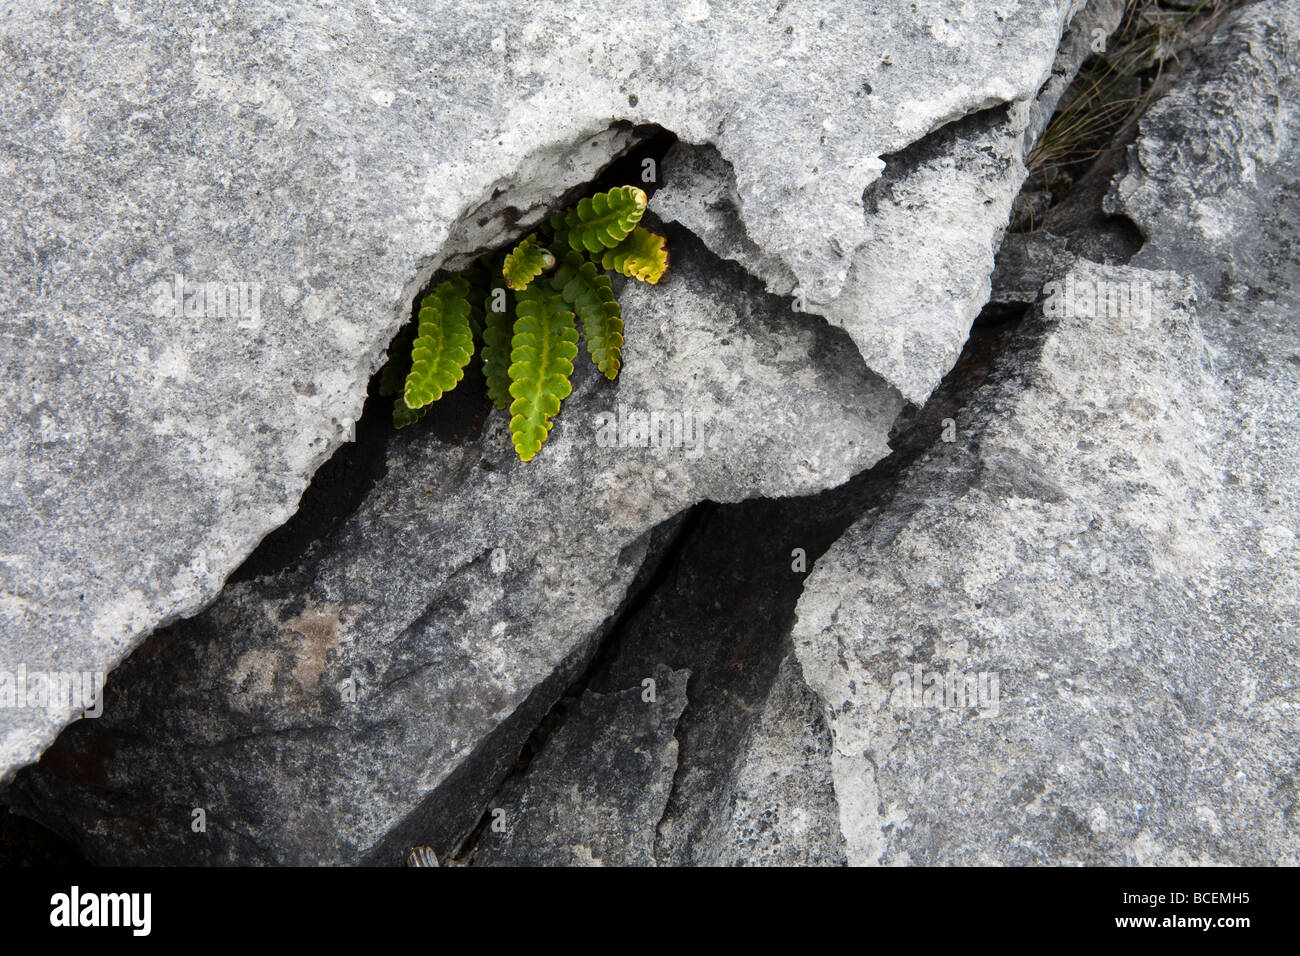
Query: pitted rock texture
[934, 220]
[782, 809]
[1105, 559]
[308, 168]
[457, 602]
[595, 794]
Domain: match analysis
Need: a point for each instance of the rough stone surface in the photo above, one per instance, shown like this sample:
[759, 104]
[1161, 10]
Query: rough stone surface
[1110, 538]
[595, 794]
[752, 777]
[1113, 535]
[722, 611]
[934, 220]
[330, 158]
[460, 598]
[783, 810]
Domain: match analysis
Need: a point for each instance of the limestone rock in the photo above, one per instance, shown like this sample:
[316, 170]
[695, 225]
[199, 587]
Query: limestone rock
[1070, 635]
[371, 694]
[297, 172]
[595, 794]
[934, 220]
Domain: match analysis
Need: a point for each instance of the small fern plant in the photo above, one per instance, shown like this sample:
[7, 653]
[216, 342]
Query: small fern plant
[525, 313]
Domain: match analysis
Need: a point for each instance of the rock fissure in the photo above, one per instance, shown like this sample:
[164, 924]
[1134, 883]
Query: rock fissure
[635, 651]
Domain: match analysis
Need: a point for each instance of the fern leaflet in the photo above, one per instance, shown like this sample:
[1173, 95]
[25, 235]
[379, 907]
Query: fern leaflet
[404, 414]
[526, 262]
[498, 326]
[604, 220]
[393, 376]
[443, 345]
[544, 346]
[592, 297]
[642, 255]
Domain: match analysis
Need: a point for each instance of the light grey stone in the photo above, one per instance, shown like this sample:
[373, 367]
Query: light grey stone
[1112, 538]
[934, 220]
[783, 810]
[456, 604]
[322, 162]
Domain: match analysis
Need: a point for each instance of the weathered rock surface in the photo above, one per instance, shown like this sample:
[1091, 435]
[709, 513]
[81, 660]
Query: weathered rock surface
[749, 716]
[934, 220]
[594, 795]
[456, 603]
[1112, 538]
[783, 810]
[310, 167]
[751, 784]
[1107, 549]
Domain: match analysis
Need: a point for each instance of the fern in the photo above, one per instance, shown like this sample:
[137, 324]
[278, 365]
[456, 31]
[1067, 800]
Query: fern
[443, 346]
[526, 263]
[592, 296]
[480, 276]
[392, 378]
[527, 332]
[642, 255]
[542, 351]
[498, 327]
[604, 220]
[404, 414]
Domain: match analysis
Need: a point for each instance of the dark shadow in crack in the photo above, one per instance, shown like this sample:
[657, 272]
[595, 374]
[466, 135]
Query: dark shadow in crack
[342, 483]
[26, 843]
[722, 603]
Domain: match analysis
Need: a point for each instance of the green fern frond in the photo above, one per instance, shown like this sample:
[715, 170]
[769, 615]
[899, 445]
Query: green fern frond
[443, 345]
[604, 220]
[392, 378]
[480, 277]
[544, 346]
[498, 328]
[404, 414]
[642, 255]
[526, 262]
[592, 297]
[528, 343]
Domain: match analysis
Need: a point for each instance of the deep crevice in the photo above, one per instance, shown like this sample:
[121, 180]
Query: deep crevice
[341, 484]
[681, 527]
[721, 603]
[1097, 119]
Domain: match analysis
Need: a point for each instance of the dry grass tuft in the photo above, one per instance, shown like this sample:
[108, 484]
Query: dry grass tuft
[1116, 86]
